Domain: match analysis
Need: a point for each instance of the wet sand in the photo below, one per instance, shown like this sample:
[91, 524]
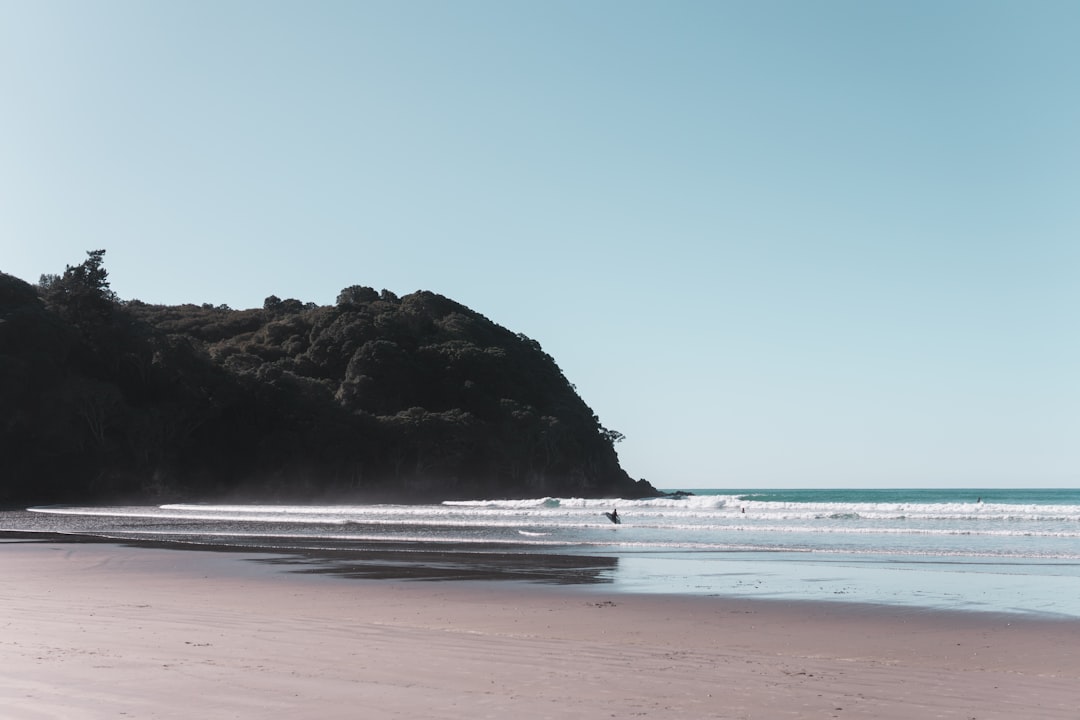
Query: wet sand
[108, 631]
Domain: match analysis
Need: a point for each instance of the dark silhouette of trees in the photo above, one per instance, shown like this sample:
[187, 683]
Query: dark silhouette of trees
[81, 295]
[377, 397]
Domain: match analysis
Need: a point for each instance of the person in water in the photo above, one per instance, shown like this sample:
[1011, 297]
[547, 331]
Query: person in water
[614, 515]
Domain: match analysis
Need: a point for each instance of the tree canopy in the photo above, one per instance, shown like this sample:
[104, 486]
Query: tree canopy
[377, 396]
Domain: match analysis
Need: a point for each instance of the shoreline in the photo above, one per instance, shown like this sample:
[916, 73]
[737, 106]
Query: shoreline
[407, 562]
[93, 629]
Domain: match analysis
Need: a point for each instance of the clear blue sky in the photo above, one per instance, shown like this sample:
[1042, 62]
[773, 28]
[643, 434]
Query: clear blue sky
[774, 243]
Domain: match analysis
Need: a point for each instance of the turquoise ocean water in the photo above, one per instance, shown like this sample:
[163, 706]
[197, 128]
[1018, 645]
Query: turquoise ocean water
[1014, 550]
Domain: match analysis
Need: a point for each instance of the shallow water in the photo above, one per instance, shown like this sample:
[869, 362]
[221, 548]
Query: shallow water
[994, 550]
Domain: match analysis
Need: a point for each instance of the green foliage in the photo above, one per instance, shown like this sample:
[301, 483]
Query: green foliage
[356, 296]
[377, 396]
[82, 293]
[612, 436]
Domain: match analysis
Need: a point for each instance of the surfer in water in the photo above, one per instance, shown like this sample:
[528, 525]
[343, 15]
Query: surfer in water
[613, 516]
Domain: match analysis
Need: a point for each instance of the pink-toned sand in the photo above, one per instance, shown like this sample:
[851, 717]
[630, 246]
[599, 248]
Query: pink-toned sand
[96, 631]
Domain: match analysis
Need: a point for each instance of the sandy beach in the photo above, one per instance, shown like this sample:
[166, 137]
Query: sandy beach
[106, 631]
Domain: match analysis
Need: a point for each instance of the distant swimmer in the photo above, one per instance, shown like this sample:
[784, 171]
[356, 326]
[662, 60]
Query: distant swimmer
[613, 516]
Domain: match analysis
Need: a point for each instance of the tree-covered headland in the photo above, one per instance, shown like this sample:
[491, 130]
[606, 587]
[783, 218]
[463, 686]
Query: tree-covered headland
[377, 397]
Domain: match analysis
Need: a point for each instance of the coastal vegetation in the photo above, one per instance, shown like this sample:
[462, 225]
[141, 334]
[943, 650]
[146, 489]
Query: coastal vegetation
[377, 397]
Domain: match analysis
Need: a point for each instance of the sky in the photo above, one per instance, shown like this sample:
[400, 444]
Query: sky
[774, 243]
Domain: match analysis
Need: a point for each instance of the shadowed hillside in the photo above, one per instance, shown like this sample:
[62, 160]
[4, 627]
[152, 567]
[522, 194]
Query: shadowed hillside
[376, 397]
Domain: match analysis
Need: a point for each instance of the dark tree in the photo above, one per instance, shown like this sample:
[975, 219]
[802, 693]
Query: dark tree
[410, 398]
[82, 294]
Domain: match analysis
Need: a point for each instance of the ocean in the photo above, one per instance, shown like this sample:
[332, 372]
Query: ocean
[1008, 551]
